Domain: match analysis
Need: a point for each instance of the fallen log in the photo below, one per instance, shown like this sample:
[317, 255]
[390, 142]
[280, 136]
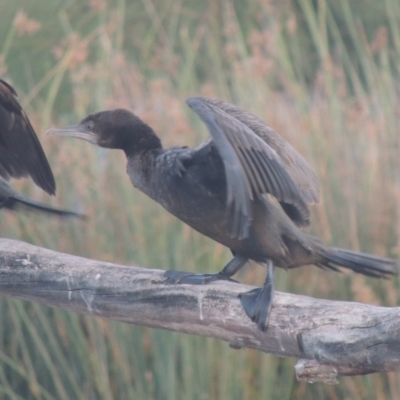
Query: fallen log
[329, 338]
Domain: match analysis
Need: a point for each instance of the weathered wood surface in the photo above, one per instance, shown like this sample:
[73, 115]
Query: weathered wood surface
[329, 338]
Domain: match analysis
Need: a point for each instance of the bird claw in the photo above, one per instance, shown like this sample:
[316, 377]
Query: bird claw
[179, 277]
[180, 168]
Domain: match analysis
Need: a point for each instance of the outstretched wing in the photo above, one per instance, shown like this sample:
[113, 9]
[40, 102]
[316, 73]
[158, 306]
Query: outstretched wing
[252, 167]
[297, 167]
[20, 151]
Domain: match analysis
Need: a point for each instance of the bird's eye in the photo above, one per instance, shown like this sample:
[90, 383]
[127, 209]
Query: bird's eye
[89, 125]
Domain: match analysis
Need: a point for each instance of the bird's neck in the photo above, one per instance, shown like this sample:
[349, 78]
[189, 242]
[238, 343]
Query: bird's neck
[143, 145]
[140, 167]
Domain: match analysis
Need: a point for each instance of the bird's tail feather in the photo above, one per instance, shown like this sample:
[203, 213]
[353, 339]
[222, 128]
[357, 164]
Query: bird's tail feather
[29, 204]
[366, 264]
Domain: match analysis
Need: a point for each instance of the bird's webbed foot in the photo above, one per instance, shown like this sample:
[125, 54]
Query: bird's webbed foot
[258, 302]
[229, 270]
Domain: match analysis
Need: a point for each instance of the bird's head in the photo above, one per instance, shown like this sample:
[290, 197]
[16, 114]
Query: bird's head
[113, 129]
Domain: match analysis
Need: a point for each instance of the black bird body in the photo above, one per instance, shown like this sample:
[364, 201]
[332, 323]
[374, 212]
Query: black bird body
[194, 190]
[21, 154]
[246, 188]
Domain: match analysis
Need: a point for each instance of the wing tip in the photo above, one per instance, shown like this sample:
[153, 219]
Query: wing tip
[194, 102]
[9, 87]
[49, 186]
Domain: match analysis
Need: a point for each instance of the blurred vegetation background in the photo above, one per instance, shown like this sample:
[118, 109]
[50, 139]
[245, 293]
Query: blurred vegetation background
[323, 73]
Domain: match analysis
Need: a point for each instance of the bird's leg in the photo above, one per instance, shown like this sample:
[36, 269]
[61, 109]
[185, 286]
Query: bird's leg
[258, 302]
[229, 270]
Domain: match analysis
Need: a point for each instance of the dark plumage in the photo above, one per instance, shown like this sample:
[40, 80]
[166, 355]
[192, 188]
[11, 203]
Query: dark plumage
[12, 200]
[246, 188]
[21, 154]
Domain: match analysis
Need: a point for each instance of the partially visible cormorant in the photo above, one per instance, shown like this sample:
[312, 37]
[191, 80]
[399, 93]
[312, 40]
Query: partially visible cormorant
[12, 200]
[245, 187]
[21, 154]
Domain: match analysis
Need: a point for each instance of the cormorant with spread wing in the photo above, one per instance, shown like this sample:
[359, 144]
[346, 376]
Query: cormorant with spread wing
[245, 187]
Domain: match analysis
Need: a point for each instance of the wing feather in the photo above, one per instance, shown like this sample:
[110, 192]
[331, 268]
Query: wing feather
[297, 167]
[252, 167]
[21, 154]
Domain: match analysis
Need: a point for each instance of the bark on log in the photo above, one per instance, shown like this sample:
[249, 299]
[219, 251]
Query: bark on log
[330, 338]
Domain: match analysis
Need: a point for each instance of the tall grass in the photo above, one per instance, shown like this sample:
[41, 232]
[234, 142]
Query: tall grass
[334, 97]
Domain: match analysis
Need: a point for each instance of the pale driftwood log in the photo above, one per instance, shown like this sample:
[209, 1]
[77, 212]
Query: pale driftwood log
[329, 338]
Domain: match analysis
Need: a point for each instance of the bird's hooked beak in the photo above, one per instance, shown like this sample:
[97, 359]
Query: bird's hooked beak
[78, 131]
